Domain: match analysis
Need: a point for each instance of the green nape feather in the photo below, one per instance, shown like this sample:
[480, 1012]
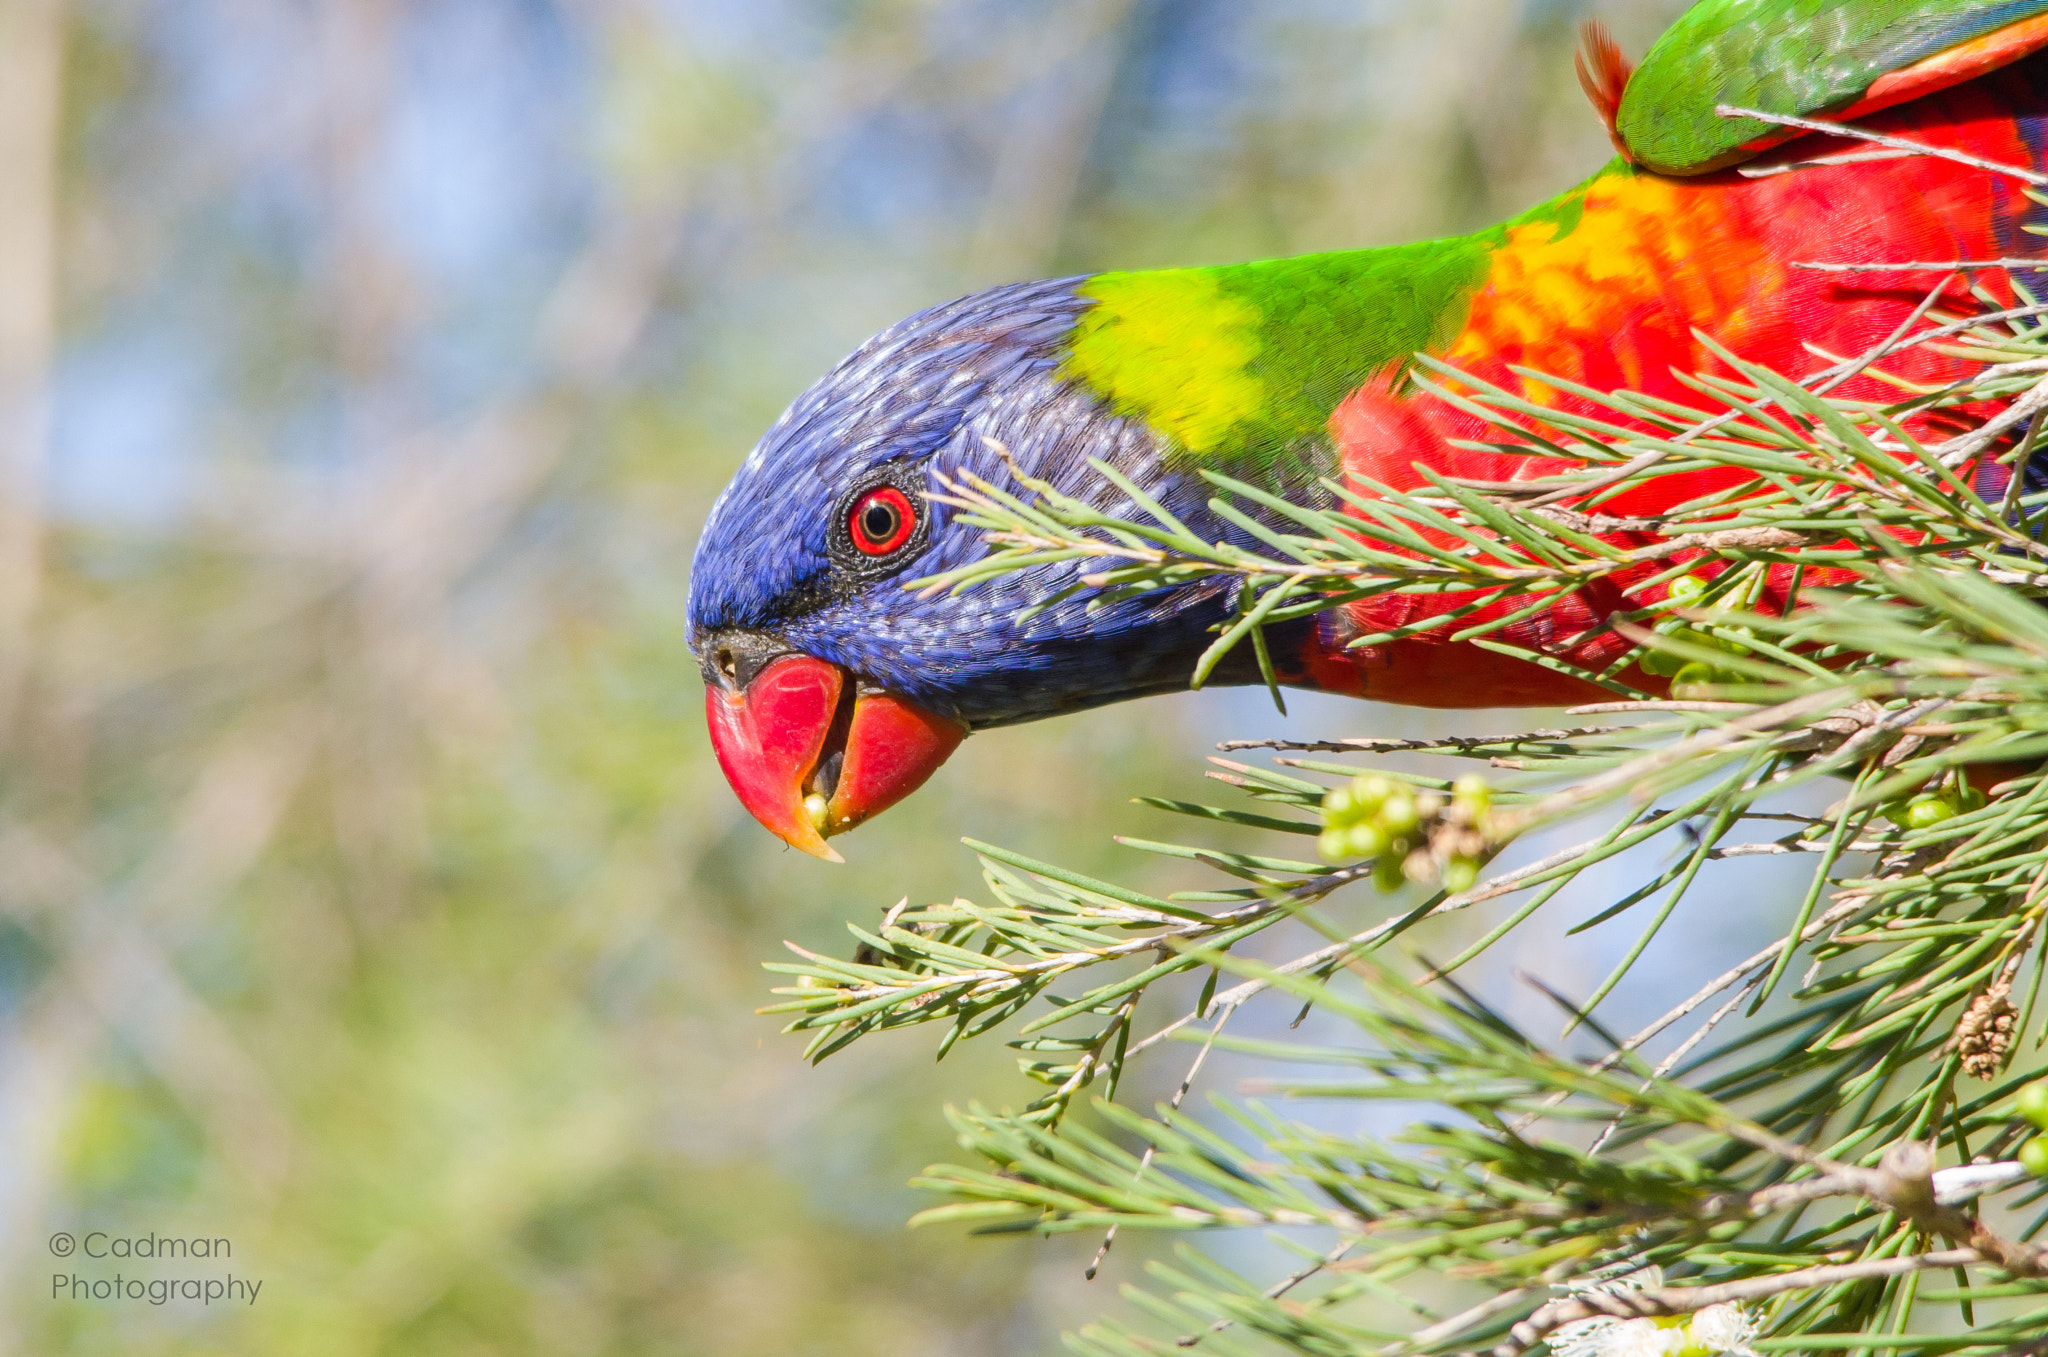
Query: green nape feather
[1241, 365]
[1796, 57]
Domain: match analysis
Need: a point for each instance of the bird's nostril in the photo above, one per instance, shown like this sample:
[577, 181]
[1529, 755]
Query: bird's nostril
[727, 665]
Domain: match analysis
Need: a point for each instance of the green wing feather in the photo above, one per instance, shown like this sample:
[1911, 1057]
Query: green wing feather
[1797, 57]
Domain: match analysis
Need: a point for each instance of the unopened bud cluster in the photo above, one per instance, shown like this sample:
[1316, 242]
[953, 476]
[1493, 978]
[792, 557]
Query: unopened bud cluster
[1951, 797]
[1690, 677]
[1985, 1031]
[1411, 834]
[2032, 1103]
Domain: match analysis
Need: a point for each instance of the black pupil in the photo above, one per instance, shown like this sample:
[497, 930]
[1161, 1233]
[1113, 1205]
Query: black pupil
[878, 521]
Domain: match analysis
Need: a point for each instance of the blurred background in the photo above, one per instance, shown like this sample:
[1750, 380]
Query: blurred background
[368, 895]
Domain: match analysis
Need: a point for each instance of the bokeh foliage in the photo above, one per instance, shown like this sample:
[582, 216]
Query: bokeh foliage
[367, 894]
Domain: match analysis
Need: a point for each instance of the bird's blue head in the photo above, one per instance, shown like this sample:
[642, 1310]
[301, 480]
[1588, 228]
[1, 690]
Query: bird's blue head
[834, 690]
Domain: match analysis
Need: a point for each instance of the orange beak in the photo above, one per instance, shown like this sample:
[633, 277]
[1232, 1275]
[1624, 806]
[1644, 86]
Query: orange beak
[810, 757]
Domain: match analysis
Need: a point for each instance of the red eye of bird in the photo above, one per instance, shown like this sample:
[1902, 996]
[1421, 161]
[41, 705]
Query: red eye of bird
[882, 521]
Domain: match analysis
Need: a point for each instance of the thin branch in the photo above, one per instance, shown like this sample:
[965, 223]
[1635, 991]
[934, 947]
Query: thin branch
[1949, 266]
[1186, 1083]
[1910, 147]
[1275, 1291]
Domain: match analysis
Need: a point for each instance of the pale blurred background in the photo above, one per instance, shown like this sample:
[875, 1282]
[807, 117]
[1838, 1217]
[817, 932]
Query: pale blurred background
[368, 896]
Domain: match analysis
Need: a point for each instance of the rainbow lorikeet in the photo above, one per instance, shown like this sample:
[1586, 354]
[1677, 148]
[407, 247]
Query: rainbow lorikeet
[834, 691]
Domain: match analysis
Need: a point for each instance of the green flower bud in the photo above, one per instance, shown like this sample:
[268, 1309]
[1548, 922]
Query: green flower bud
[1971, 799]
[1368, 790]
[2032, 1103]
[1333, 845]
[1662, 663]
[1387, 873]
[1399, 814]
[1365, 841]
[2034, 1156]
[1685, 589]
[1928, 810]
[1460, 875]
[1694, 679]
[1337, 803]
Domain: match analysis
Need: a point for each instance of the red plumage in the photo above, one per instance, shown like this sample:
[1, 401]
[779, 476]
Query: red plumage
[1618, 298]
